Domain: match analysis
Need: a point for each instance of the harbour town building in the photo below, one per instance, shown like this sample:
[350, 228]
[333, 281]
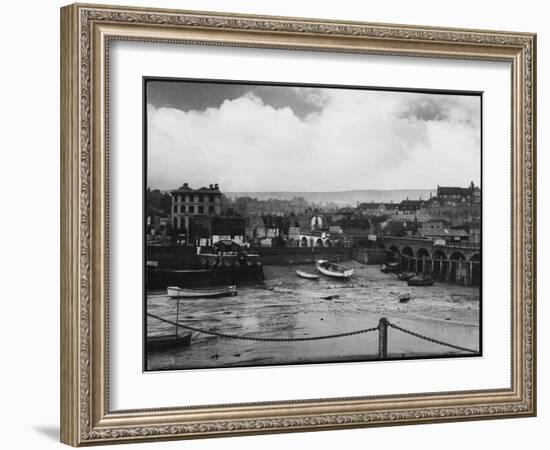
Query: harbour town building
[377, 209]
[188, 203]
[457, 196]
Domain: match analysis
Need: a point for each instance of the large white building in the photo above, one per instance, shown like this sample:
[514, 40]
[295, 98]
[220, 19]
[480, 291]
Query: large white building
[188, 202]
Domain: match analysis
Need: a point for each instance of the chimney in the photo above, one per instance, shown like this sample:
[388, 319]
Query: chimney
[216, 186]
[211, 186]
[185, 185]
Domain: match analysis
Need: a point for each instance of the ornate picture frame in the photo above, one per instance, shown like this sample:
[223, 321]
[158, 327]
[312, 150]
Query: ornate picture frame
[86, 33]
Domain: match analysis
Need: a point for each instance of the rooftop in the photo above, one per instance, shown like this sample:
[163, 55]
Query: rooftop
[444, 233]
[452, 190]
[212, 189]
[377, 205]
[410, 204]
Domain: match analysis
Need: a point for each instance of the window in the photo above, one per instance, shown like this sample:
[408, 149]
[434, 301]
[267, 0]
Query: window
[201, 209]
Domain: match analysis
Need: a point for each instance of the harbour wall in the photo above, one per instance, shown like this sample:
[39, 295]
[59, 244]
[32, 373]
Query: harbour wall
[185, 257]
[370, 255]
[274, 256]
[179, 257]
[172, 257]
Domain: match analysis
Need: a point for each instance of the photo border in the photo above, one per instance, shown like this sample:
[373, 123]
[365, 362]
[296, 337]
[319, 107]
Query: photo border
[409, 90]
[86, 31]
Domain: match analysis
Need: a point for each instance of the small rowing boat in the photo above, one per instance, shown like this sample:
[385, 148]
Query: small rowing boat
[177, 292]
[306, 275]
[420, 282]
[404, 298]
[166, 342]
[403, 276]
[394, 267]
[333, 270]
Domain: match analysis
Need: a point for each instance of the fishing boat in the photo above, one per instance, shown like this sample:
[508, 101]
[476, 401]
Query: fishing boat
[394, 266]
[404, 298]
[306, 275]
[165, 342]
[420, 282]
[177, 292]
[403, 276]
[333, 270]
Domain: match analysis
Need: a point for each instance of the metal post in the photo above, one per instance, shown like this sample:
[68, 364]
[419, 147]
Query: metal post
[383, 338]
[177, 317]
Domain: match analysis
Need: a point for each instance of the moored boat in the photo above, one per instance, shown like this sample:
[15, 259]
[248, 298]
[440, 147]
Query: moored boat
[165, 342]
[333, 270]
[404, 298]
[306, 275]
[393, 266]
[420, 282]
[403, 276]
[177, 292]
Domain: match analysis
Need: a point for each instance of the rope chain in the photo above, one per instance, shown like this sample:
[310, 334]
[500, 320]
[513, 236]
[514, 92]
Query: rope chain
[429, 339]
[312, 338]
[262, 339]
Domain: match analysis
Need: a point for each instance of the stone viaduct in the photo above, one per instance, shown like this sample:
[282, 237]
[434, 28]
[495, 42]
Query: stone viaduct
[460, 262]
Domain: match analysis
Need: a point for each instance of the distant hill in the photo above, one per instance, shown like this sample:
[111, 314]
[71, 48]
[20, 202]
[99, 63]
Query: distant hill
[343, 198]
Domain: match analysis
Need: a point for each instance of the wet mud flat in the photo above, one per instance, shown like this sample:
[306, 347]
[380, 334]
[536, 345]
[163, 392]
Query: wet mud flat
[286, 306]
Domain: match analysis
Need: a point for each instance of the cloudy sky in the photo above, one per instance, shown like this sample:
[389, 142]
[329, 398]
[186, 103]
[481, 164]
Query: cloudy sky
[283, 138]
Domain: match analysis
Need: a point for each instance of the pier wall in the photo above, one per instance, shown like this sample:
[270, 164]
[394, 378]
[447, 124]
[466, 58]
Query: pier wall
[370, 255]
[301, 255]
[171, 257]
[467, 273]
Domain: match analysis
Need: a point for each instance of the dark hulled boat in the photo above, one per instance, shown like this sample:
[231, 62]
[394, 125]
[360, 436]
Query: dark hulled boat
[167, 342]
[420, 282]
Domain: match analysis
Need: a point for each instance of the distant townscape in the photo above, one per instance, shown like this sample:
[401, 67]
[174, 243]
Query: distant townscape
[204, 216]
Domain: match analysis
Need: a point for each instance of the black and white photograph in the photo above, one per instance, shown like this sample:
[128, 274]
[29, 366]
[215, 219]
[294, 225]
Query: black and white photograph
[305, 224]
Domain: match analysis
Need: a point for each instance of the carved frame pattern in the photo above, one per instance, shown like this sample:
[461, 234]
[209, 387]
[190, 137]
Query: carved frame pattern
[86, 418]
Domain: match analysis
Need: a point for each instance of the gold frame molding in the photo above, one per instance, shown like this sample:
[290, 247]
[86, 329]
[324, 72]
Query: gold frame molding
[86, 31]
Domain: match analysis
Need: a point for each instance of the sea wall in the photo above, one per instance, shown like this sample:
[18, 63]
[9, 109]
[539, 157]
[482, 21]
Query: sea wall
[370, 255]
[301, 255]
[171, 257]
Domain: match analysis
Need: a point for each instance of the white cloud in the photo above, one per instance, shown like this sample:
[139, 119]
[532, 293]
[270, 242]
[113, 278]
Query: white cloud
[360, 140]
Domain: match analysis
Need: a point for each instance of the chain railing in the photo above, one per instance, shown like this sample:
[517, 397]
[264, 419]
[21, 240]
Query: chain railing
[382, 327]
[264, 339]
[429, 339]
